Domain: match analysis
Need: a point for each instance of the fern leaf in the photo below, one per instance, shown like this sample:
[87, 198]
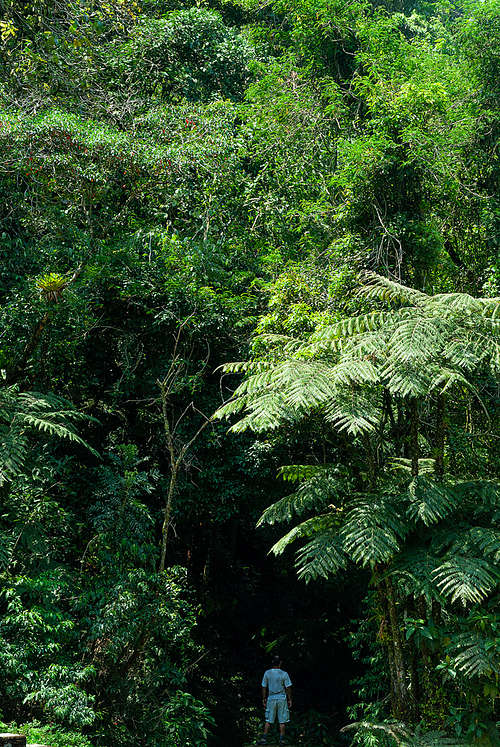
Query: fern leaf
[373, 531]
[377, 286]
[415, 568]
[429, 502]
[305, 529]
[323, 556]
[353, 410]
[475, 655]
[314, 494]
[416, 339]
[467, 579]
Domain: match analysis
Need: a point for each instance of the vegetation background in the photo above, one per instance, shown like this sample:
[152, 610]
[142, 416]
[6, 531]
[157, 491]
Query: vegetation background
[309, 186]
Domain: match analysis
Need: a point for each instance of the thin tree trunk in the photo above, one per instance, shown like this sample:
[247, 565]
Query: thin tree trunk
[440, 436]
[166, 518]
[414, 428]
[30, 348]
[177, 456]
[411, 653]
[385, 638]
[401, 675]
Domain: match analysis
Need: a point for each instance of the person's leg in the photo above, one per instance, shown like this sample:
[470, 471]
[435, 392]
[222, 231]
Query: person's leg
[270, 716]
[263, 739]
[283, 718]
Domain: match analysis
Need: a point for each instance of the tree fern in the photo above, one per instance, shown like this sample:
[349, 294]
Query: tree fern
[401, 735]
[474, 655]
[353, 410]
[484, 539]
[376, 286]
[414, 568]
[429, 343]
[320, 488]
[323, 556]
[466, 579]
[429, 501]
[23, 414]
[305, 529]
[373, 530]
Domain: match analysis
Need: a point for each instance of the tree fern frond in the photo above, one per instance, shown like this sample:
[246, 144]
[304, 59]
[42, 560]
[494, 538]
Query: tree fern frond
[467, 579]
[475, 655]
[353, 410]
[354, 371]
[402, 736]
[429, 501]
[13, 452]
[484, 539]
[446, 378]
[305, 529]
[51, 427]
[355, 325]
[305, 385]
[456, 302]
[286, 343]
[6, 547]
[490, 307]
[322, 556]
[463, 353]
[314, 494]
[418, 338]
[373, 531]
[425, 465]
[266, 412]
[24, 412]
[231, 407]
[484, 494]
[415, 567]
[407, 380]
[238, 367]
[377, 286]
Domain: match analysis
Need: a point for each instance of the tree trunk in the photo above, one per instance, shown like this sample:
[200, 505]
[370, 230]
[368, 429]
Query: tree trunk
[414, 426]
[440, 436]
[28, 351]
[411, 654]
[402, 694]
[386, 640]
[166, 518]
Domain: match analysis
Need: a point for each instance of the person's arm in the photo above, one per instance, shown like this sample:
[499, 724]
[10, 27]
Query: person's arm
[289, 696]
[264, 689]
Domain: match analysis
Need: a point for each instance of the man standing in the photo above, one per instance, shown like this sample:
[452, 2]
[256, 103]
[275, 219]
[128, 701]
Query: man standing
[276, 698]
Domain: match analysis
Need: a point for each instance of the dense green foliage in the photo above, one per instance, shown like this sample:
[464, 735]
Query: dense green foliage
[310, 186]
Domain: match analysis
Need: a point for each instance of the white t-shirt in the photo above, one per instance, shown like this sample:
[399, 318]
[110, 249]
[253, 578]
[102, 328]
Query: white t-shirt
[276, 680]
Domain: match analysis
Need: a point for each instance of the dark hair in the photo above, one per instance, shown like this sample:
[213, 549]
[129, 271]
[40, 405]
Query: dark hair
[276, 660]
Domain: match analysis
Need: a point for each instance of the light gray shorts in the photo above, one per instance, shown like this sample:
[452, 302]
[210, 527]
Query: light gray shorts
[277, 708]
